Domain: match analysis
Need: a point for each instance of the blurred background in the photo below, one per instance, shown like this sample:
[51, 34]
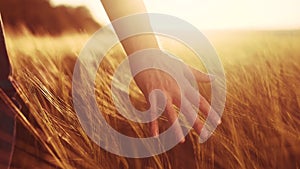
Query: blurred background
[55, 16]
[42, 17]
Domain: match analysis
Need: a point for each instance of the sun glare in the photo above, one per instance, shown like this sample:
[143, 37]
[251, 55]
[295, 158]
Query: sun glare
[229, 14]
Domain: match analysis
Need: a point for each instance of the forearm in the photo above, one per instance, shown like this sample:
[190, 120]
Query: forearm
[116, 9]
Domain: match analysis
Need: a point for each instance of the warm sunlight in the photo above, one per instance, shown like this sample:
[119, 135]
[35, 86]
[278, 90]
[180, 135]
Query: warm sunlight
[232, 14]
[76, 94]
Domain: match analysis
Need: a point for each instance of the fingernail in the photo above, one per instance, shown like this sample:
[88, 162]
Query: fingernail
[204, 135]
[182, 140]
[156, 134]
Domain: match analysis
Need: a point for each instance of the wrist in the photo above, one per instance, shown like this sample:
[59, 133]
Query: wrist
[151, 58]
[139, 42]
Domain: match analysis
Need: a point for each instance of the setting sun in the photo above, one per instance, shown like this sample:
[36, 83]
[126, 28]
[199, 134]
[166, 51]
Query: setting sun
[230, 14]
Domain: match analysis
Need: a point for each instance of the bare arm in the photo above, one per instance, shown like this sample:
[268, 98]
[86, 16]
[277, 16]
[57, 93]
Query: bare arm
[151, 79]
[116, 9]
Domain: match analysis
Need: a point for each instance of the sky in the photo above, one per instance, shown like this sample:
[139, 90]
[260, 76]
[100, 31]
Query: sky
[215, 14]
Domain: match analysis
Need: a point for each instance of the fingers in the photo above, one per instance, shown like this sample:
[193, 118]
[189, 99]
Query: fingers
[213, 119]
[209, 112]
[154, 128]
[198, 75]
[199, 101]
[192, 116]
[173, 120]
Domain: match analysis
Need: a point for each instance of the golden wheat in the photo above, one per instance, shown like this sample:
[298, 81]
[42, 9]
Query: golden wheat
[261, 120]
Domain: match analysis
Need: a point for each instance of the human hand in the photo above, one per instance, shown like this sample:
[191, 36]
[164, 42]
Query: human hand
[179, 90]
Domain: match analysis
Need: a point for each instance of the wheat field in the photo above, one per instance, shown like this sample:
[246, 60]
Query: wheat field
[260, 124]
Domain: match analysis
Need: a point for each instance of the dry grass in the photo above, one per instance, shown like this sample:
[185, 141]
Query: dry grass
[261, 121]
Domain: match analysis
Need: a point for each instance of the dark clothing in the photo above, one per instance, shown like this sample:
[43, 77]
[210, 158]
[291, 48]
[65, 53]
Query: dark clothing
[4, 62]
[7, 115]
[7, 131]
